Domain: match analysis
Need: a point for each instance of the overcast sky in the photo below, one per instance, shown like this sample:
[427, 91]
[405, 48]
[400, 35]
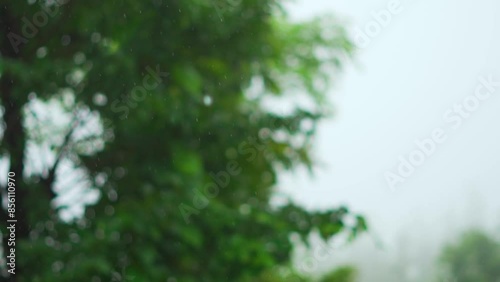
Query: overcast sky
[428, 58]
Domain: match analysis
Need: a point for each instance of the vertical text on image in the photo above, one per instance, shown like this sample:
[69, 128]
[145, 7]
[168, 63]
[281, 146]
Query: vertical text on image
[11, 223]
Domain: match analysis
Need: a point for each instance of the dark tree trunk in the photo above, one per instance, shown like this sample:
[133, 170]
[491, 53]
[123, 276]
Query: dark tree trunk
[14, 139]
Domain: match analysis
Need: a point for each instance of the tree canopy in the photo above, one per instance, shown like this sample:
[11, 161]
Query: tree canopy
[146, 136]
[475, 257]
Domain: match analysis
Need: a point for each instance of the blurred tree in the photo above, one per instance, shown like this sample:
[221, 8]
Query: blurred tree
[475, 258]
[342, 274]
[171, 113]
[288, 274]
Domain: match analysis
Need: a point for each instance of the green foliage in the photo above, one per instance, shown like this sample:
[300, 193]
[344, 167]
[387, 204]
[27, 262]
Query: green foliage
[475, 258]
[152, 157]
[342, 274]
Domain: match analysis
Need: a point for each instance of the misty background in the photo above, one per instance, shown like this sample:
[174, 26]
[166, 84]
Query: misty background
[428, 58]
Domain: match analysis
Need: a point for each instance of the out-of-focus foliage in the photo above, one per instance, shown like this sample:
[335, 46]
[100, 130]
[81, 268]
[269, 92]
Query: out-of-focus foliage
[287, 274]
[281, 274]
[210, 69]
[475, 258]
[342, 274]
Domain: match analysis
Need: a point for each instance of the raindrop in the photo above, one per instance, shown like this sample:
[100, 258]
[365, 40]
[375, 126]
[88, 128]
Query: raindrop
[119, 172]
[75, 78]
[116, 276]
[245, 209]
[79, 58]
[41, 52]
[49, 241]
[65, 40]
[33, 235]
[57, 266]
[207, 100]
[264, 133]
[112, 195]
[74, 237]
[99, 99]
[49, 225]
[95, 37]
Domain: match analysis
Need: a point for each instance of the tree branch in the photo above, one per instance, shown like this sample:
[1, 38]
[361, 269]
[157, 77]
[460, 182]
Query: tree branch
[50, 179]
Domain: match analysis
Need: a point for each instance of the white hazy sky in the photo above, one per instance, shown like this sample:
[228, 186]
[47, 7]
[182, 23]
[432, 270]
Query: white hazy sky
[428, 58]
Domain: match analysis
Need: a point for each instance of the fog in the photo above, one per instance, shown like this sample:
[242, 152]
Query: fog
[408, 79]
